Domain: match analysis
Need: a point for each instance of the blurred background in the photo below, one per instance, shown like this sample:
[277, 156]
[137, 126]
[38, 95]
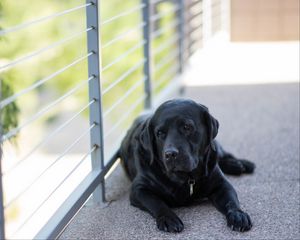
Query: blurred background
[234, 42]
[263, 45]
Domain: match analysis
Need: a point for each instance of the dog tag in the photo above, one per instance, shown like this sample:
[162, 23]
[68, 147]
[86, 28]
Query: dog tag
[191, 182]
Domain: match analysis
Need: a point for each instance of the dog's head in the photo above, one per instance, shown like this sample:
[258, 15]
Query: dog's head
[179, 135]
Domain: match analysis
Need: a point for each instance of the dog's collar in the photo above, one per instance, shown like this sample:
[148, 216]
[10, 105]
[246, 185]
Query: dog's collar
[191, 183]
[191, 180]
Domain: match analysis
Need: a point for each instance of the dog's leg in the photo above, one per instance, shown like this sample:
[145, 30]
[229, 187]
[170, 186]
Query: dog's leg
[166, 219]
[234, 166]
[225, 199]
[229, 164]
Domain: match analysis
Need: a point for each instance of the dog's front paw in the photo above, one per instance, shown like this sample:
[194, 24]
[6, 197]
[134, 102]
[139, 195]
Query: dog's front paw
[248, 166]
[234, 166]
[169, 223]
[238, 220]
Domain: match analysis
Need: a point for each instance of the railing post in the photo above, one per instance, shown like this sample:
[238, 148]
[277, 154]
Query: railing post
[2, 222]
[94, 65]
[181, 31]
[207, 21]
[225, 18]
[147, 52]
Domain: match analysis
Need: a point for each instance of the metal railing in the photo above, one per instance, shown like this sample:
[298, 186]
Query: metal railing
[168, 33]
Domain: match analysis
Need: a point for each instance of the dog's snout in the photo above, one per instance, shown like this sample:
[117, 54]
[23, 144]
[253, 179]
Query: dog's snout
[171, 153]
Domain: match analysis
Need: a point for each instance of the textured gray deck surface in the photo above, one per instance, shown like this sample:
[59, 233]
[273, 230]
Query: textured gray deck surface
[258, 122]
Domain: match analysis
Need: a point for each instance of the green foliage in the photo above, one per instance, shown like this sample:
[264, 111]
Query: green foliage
[22, 42]
[9, 114]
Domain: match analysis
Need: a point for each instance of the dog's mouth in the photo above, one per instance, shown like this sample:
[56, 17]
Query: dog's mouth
[181, 173]
[182, 165]
[183, 168]
[182, 176]
[178, 176]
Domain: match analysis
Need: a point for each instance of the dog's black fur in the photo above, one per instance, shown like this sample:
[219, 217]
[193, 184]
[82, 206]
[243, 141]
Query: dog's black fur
[172, 159]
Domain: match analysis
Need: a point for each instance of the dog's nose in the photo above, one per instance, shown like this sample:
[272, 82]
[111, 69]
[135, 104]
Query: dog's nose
[171, 153]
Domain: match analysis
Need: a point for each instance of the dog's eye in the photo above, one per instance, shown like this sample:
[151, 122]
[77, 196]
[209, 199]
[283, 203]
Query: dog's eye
[160, 133]
[188, 127]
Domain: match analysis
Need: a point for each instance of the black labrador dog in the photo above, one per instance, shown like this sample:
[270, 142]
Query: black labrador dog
[172, 159]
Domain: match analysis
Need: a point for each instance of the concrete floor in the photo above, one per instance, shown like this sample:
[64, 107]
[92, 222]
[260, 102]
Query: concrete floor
[257, 122]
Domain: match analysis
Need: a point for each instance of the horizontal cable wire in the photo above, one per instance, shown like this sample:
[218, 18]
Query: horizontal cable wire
[195, 7]
[125, 54]
[187, 56]
[191, 5]
[67, 150]
[163, 14]
[122, 35]
[187, 52]
[37, 52]
[123, 76]
[165, 28]
[194, 15]
[123, 14]
[39, 20]
[198, 1]
[46, 139]
[195, 31]
[166, 44]
[156, 1]
[44, 110]
[194, 46]
[195, 21]
[55, 189]
[194, 28]
[12, 98]
[193, 41]
[168, 74]
[125, 115]
[166, 60]
[132, 89]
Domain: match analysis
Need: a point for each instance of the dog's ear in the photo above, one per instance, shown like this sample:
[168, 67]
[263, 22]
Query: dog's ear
[211, 123]
[146, 140]
[210, 160]
[213, 127]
